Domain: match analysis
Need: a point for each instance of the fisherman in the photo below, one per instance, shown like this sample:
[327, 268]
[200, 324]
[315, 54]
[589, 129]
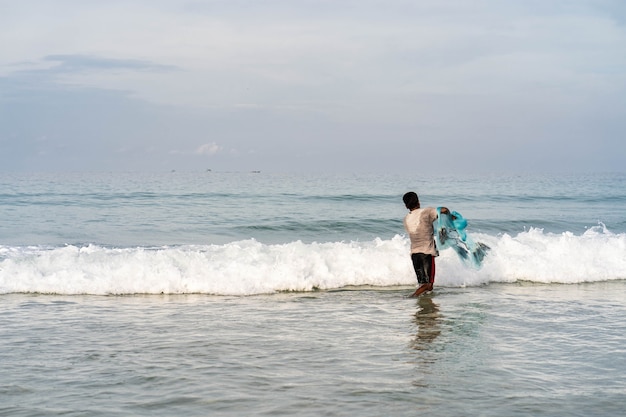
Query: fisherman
[419, 226]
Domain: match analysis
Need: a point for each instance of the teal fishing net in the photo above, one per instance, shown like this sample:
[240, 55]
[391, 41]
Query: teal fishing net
[450, 233]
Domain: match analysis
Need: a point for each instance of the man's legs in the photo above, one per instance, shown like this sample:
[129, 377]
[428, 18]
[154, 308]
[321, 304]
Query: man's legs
[424, 266]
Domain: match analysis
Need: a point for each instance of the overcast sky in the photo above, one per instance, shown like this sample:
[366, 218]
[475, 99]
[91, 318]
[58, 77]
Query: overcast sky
[313, 85]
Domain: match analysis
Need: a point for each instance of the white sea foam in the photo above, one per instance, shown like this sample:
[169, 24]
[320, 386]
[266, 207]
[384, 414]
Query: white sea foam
[250, 267]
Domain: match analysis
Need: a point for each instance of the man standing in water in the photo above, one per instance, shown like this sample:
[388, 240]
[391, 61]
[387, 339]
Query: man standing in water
[419, 225]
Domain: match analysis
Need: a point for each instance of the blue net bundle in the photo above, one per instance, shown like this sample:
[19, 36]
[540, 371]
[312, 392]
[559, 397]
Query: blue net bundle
[450, 233]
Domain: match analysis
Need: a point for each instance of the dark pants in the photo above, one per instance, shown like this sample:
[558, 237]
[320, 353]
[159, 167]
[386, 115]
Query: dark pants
[424, 266]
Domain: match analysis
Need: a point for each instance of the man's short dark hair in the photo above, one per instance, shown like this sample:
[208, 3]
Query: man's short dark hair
[411, 201]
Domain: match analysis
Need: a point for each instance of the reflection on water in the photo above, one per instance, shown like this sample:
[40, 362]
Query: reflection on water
[428, 321]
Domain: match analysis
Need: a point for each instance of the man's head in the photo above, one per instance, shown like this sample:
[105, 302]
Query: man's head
[411, 201]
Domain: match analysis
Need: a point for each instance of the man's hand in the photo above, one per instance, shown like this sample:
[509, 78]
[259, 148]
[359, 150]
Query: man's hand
[445, 210]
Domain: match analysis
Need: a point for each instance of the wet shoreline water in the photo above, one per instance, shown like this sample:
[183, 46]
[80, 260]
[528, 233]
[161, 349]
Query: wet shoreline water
[500, 349]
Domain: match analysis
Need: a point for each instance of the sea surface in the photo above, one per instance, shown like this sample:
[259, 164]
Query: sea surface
[266, 294]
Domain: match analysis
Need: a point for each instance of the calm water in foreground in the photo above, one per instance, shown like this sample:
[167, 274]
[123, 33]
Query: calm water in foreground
[497, 350]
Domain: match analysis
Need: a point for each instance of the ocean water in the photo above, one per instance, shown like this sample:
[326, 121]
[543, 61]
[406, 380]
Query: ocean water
[214, 293]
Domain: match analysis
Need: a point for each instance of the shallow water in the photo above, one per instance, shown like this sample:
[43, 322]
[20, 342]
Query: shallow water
[496, 350]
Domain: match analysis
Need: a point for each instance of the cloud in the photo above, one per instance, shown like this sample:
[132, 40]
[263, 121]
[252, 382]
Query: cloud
[208, 149]
[76, 65]
[77, 62]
